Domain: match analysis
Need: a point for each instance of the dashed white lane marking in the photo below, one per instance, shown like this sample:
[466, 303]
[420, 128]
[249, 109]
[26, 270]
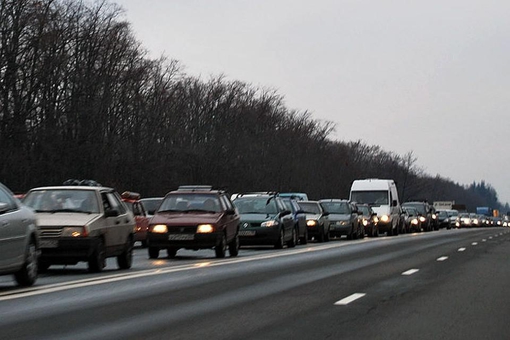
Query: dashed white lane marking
[474, 243]
[462, 249]
[410, 272]
[349, 299]
[490, 237]
[442, 258]
[484, 240]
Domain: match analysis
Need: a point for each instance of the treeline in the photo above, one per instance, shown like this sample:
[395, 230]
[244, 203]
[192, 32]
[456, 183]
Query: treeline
[80, 98]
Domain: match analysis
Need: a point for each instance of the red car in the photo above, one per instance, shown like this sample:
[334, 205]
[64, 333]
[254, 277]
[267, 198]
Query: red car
[132, 200]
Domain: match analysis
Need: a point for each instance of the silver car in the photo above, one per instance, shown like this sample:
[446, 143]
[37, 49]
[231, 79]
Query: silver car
[19, 240]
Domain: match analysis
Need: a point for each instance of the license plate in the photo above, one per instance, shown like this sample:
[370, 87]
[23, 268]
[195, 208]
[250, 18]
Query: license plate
[48, 243]
[181, 237]
[247, 233]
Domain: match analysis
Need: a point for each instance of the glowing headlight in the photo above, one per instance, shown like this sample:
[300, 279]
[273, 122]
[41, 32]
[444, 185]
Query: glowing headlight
[365, 222]
[475, 221]
[160, 229]
[376, 219]
[422, 219]
[385, 218]
[205, 229]
[414, 221]
[269, 224]
[74, 232]
[434, 216]
[311, 223]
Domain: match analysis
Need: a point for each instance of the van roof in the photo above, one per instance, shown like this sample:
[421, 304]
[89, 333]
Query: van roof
[372, 184]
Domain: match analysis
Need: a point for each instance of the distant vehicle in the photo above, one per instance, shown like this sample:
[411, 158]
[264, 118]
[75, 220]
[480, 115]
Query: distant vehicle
[317, 220]
[19, 241]
[424, 214]
[82, 223]
[194, 217]
[298, 196]
[453, 215]
[411, 218]
[465, 220]
[343, 218]
[265, 219]
[382, 196]
[443, 219]
[369, 219]
[151, 204]
[299, 219]
[142, 218]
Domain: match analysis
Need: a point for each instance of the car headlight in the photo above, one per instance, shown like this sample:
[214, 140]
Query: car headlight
[205, 228]
[311, 223]
[269, 224]
[365, 222]
[385, 218]
[160, 229]
[74, 232]
[422, 219]
[414, 221]
[434, 216]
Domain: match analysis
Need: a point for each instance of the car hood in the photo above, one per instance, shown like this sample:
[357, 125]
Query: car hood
[257, 217]
[339, 217]
[381, 210]
[313, 216]
[185, 219]
[65, 219]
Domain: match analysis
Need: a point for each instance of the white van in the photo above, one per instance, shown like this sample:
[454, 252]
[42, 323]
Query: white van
[382, 196]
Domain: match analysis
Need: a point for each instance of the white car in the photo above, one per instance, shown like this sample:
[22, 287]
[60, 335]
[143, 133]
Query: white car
[19, 240]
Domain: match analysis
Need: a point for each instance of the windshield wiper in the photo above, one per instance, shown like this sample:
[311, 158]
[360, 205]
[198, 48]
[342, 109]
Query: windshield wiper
[170, 210]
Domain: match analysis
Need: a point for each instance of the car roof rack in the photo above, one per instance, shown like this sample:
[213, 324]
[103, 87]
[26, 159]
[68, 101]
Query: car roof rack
[194, 188]
[255, 193]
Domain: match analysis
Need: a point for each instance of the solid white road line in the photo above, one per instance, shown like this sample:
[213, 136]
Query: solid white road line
[410, 272]
[349, 299]
[442, 258]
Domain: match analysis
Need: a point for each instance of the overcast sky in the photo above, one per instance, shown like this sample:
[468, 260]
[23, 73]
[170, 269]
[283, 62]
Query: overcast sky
[432, 77]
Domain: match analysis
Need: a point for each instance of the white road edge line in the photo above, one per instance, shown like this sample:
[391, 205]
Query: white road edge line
[410, 272]
[349, 299]
[442, 258]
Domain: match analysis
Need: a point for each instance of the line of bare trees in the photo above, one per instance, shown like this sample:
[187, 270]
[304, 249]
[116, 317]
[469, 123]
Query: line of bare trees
[79, 98]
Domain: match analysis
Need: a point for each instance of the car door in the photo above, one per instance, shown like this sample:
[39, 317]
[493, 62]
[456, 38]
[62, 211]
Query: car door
[287, 219]
[231, 219]
[12, 230]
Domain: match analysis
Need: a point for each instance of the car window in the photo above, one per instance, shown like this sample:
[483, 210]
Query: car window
[256, 205]
[6, 198]
[191, 202]
[336, 207]
[310, 208]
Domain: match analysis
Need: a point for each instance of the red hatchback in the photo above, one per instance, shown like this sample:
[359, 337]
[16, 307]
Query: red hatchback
[194, 217]
[132, 200]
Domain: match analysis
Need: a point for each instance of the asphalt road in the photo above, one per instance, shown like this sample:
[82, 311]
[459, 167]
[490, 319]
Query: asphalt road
[449, 284]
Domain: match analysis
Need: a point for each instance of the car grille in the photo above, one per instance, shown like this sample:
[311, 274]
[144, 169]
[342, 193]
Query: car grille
[182, 230]
[50, 232]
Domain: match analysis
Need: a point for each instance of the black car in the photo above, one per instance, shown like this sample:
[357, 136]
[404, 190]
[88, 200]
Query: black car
[299, 219]
[424, 213]
[343, 218]
[317, 221]
[369, 219]
[265, 220]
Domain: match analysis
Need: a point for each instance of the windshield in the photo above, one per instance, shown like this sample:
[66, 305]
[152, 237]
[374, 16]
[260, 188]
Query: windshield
[63, 200]
[364, 210]
[256, 205]
[190, 202]
[373, 198]
[151, 204]
[420, 207]
[336, 207]
[310, 207]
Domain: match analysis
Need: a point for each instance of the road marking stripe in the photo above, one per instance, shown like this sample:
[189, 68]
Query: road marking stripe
[474, 243]
[490, 237]
[462, 249]
[410, 272]
[442, 258]
[349, 299]
[484, 240]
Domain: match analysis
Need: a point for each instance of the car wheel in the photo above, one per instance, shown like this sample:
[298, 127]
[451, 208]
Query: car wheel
[293, 239]
[304, 239]
[233, 247]
[221, 248]
[320, 237]
[171, 252]
[97, 260]
[27, 275]
[362, 232]
[153, 252]
[354, 233]
[42, 266]
[125, 260]
[144, 244]
[280, 242]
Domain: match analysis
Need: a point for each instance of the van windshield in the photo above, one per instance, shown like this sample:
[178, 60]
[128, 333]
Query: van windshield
[373, 198]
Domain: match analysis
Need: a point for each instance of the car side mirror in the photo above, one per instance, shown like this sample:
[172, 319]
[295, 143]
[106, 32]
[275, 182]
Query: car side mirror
[230, 212]
[394, 203]
[111, 213]
[325, 213]
[3, 207]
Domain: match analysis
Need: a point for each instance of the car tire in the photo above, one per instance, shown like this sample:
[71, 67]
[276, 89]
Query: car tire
[42, 266]
[97, 261]
[27, 275]
[280, 241]
[362, 233]
[153, 252]
[304, 239]
[125, 260]
[354, 233]
[293, 239]
[171, 253]
[144, 244]
[221, 248]
[233, 246]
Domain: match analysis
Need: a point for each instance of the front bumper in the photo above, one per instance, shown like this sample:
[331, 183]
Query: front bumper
[188, 241]
[68, 250]
[254, 236]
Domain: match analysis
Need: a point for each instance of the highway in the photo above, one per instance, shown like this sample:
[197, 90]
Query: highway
[447, 284]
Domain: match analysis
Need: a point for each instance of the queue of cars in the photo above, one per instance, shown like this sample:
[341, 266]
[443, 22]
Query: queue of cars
[83, 221]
